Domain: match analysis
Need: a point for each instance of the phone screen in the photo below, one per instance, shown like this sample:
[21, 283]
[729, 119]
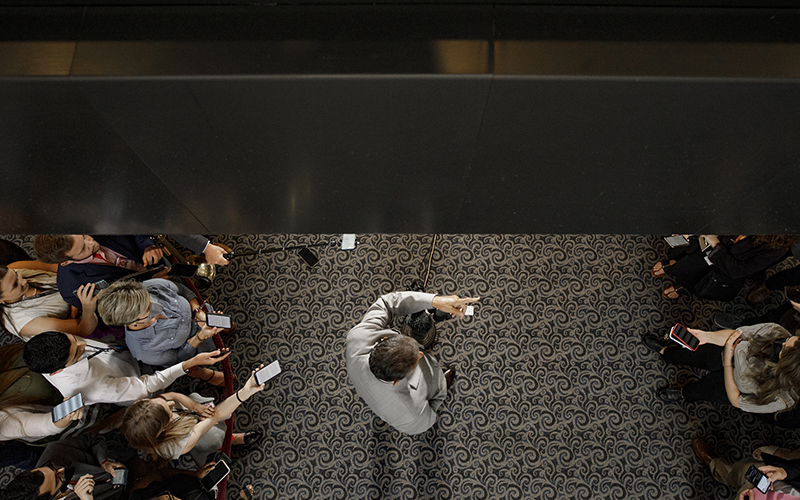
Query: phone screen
[121, 478]
[215, 320]
[67, 407]
[268, 372]
[217, 474]
[308, 256]
[677, 241]
[680, 334]
[757, 478]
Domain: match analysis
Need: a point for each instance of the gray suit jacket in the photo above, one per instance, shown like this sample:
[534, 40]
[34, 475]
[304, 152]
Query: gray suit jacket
[410, 405]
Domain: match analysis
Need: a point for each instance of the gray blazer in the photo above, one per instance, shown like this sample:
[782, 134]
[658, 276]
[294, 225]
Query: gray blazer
[410, 405]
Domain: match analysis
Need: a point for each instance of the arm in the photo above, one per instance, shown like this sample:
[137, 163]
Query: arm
[731, 389]
[18, 423]
[134, 388]
[81, 328]
[33, 264]
[223, 411]
[751, 261]
[190, 404]
[717, 338]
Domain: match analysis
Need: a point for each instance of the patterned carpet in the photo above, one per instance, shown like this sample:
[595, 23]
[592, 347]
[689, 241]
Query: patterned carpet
[554, 396]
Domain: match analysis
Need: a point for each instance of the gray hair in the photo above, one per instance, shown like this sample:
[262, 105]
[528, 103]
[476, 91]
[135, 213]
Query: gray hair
[123, 302]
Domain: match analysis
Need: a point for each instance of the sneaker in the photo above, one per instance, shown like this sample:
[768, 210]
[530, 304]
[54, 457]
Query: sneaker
[727, 321]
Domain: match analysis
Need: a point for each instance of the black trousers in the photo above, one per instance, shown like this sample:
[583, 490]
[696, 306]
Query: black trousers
[787, 277]
[710, 387]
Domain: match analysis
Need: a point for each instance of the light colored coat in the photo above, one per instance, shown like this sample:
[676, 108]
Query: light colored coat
[410, 405]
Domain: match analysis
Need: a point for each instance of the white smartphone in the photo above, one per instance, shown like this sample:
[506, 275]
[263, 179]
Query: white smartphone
[348, 241]
[677, 241]
[470, 311]
[67, 407]
[215, 475]
[267, 372]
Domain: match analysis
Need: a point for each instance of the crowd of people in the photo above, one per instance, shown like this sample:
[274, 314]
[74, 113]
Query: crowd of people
[100, 318]
[97, 316]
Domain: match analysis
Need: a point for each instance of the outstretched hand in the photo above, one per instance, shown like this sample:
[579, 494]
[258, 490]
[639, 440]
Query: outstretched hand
[453, 304]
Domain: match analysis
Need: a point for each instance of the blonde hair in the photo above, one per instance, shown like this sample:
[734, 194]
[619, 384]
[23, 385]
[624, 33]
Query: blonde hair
[148, 426]
[123, 302]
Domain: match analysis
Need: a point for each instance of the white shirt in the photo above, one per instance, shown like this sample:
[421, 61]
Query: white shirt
[110, 377]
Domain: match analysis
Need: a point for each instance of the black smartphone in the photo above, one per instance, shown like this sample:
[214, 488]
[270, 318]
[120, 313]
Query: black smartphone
[308, 256]
[98, 285]
[217, 474]
[684, 337]
[67, 407]
[267, 372]
[121, 479]
[757, 478]
[215, 320]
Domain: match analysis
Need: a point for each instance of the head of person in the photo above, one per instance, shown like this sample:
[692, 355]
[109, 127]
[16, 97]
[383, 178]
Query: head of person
[50, 352]
[12, 286]
[148, 424]
[64, 249]
[38, 484]
[126, 303]
[394, 357]
[778, 367]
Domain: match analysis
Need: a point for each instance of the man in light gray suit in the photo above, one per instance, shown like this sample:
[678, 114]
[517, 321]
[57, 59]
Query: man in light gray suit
[401, 384]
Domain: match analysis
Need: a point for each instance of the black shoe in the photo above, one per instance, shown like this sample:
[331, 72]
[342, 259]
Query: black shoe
[702, 451]
[653, 343]
[670, 394]
[252, 437]
[416, 286]
[449, 374]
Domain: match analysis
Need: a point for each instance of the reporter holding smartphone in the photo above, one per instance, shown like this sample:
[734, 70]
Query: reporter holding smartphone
[164, 323]
[755, 368]
[153, 426]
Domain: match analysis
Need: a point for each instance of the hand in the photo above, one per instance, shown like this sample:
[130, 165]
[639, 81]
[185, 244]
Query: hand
[711, 239]
[773, 473]
[71, 417]
[747, 494]
[700, 334]
[110, 466]
[88, 298]
[207, 332]
[214, 255]
[207, 358]
[200, 318]
[85, 487]
[204, 411]
[152, 255]
[452, 304]
[202, 471]
[733, 340]
[251, 386]
[247, 495]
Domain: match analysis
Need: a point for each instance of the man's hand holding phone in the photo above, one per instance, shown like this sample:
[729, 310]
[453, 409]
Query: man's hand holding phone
[206, 359]
[453, 304]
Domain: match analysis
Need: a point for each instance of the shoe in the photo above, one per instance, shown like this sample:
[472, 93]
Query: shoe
[252, 437]
[449, 374]
[670, 394]
[727, 321]
[416, 286]
[672, 292]
[702, 451]
[660, 268]
[760, 294]
[653, 343]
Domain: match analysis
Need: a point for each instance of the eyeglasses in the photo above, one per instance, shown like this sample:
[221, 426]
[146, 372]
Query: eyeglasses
[62, 476]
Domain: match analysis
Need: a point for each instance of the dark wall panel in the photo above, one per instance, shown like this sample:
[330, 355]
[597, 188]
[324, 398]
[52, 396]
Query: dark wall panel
[294, 154]
[67, 171]
[636, 155]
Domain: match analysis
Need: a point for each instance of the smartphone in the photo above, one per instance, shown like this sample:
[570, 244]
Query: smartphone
[217, 474]
[67, 407]
[703, 243]
[758, 479]
[470, 311]
[216, 320]
[121, 479]
[677, 241]
[268, 372]
[98, 285]
[684, 337]
[308, 256]
[348, 241]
